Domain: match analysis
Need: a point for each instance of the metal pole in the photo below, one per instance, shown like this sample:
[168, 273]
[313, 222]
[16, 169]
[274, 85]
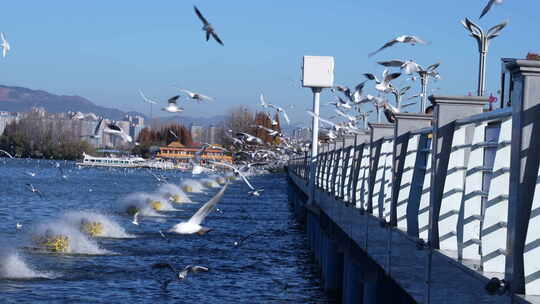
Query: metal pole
[424, 78]
[314, 142]
[482, 67]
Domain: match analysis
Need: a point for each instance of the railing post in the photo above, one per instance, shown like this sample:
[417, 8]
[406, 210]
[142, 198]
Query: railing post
[446, 110]
[523, 234]
[378, 132]
[405, 122]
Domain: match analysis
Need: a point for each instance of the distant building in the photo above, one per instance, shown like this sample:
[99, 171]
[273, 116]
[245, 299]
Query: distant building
[179, 153]
[5, 119]
[214, 135]
[197, 133]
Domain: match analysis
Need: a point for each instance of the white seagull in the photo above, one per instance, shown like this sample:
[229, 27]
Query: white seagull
[237, 172]
[488, 6]
[4, 45]
[147, 100]
[193, 225]
[173, 107]
[113, 129]
[384, 85]
[408, 67]
[207, 27]
[280, 110]
[181, 275]
[412, 40]
[135, 220]
[196, 96]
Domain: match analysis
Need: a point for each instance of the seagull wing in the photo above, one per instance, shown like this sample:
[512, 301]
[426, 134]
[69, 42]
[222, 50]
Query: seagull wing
[145, 98]
[205, 97]
[200, 15]
[98, 126]
[173, 99]
[391, 63]
[201, 214]
[216, 37]
[164, 265]
[286, 117]
[198, 268]
[487, 8]
[246, 180]
[388, 44]
[189, 93]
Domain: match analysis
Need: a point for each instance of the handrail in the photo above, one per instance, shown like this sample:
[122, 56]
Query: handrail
[498, 114]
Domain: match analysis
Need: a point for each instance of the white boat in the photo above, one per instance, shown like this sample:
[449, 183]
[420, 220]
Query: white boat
[122, 162]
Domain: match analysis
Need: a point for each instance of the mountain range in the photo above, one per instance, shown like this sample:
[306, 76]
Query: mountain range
[19, 99]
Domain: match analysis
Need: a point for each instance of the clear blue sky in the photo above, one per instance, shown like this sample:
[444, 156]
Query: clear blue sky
[106, 50]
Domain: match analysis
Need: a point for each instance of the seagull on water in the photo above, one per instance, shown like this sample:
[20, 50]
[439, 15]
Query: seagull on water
[4, 45]
[488, 7]
[18, 226]
[196, 96]
[207, 27]
[193, 225]
[173, 107]
[412, 40]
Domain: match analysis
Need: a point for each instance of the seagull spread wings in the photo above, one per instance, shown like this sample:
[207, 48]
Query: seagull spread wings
[201, 214]
[401, 39]
[204, 21]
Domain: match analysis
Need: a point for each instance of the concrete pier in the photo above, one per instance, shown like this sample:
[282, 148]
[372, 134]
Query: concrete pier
[431, 209]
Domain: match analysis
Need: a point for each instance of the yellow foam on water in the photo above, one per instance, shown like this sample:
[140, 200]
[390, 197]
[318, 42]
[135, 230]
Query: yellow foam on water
[208, 184]
[220, 180]
[156, 205]
[57, 243]
[187, 188]
[176, 198]
[92, 228]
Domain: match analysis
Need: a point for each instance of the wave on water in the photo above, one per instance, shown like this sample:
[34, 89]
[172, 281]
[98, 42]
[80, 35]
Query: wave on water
[174, 194]
[210, 182]
[96, 224]
[144, 203]
[13, 266]
[192, 186]
[61, 237]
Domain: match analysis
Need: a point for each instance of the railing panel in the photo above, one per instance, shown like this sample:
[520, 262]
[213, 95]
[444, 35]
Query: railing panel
[379, 183]
[362, 187]
[423, 207]
[406, 181]
[494, 227]
[531, 255]
[388, 178]
[472, 198]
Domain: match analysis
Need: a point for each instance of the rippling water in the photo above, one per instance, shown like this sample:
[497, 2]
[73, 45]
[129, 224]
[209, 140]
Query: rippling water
[272, 266]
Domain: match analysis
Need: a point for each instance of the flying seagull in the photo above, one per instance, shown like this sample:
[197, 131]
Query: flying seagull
[412, 40]
[173, 107]
[280, 110]
[254, 192]
[4, 45]
[384, 85]
[207, 27]
[193, 225]
[114, 129]
[488, 7]
[408, 67]
[181, 275]
[135, 220]
[196, 96]
[147, 100]
[34, 190]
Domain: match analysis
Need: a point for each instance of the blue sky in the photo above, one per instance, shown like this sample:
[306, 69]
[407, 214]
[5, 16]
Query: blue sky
[107, 50]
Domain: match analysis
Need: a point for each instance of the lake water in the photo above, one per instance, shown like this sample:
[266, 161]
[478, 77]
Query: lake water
[271, 266]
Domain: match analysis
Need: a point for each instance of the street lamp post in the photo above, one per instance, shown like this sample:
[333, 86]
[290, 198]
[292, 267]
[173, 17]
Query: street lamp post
[482, 38]
[317, 73]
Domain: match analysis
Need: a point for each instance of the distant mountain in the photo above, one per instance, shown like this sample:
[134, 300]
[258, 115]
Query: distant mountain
[18, 99]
